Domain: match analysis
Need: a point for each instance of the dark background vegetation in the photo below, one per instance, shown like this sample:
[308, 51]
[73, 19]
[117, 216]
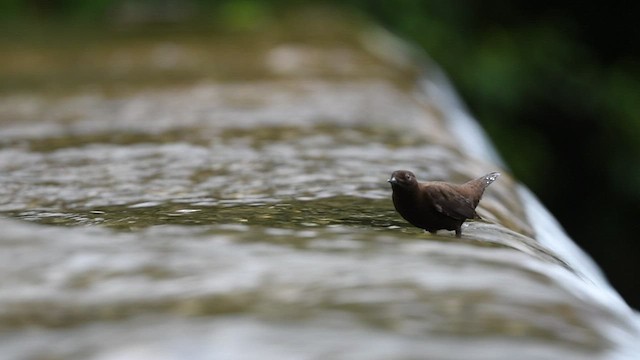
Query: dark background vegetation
[556, 85]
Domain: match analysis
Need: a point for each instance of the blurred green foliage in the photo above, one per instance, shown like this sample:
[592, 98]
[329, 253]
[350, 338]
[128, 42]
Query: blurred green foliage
[556, 85]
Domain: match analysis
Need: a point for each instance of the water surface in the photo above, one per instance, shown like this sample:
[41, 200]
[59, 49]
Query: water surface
[221, 217]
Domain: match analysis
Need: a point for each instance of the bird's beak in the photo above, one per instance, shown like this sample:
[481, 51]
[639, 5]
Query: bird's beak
[393, 180]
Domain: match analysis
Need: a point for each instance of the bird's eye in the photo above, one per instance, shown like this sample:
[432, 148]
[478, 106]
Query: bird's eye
[408, 177]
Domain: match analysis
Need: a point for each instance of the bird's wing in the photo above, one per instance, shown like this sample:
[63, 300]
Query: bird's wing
[450, 202]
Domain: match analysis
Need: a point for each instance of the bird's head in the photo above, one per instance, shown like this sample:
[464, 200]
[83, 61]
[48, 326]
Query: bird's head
[403, 178]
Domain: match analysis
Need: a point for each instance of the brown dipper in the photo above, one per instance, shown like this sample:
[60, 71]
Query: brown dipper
[437, 205]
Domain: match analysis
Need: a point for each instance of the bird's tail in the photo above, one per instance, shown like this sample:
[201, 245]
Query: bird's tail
[487, 179]
[480, 184]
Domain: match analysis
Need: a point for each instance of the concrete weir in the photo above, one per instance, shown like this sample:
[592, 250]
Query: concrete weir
[221, 196]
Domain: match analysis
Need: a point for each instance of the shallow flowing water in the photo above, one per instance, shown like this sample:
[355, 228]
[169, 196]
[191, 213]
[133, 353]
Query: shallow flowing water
[252, 219]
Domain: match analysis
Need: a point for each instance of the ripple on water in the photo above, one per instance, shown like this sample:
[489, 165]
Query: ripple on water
[375, 280]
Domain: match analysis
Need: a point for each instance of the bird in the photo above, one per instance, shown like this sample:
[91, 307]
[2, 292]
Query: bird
[437, 205]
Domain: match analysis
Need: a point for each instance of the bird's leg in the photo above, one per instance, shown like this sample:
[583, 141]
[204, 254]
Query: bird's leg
[459, 232]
